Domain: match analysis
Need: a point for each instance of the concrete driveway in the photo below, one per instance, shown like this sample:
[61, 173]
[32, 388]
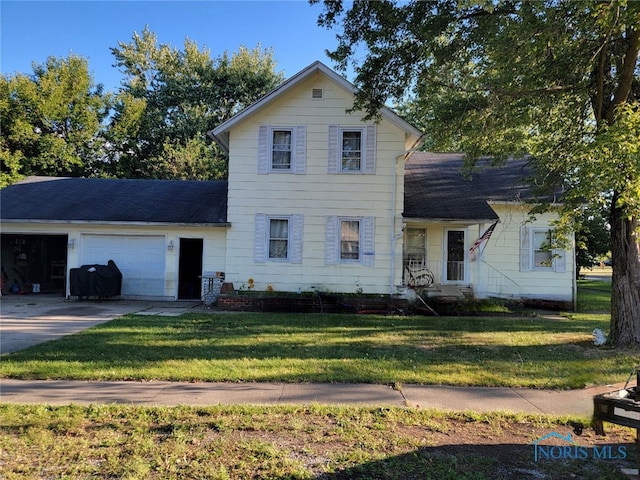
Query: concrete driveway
[27, 320]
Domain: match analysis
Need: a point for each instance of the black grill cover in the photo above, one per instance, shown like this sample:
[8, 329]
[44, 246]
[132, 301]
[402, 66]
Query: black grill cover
[96, 280]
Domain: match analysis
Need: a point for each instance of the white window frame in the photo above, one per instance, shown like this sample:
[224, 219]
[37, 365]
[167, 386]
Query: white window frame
[272, 131]
[368, 145]
[363, 150]
[262, 237]
[533, 250]
[366, 241]
[342, 220]
[409, 254]
[298, 163]
[559, 256]
[268, 239]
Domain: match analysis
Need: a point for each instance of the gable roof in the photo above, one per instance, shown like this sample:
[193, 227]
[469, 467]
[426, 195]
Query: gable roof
[436, 189]
[55, 199]
[220, 134]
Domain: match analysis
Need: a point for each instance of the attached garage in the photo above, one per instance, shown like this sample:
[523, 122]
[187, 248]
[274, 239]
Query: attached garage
[140, 258]
[163, 235]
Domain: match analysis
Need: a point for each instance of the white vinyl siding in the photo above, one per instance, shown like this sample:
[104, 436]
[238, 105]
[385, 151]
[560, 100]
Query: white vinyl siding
[134, 248]
[504, 271]
[352, 150]
[282, 149]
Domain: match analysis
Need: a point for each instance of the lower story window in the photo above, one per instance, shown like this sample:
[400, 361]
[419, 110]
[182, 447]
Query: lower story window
[541, 249]
[350, 240]
[278, 238]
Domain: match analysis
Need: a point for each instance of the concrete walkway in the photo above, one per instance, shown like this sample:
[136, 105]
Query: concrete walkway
[63, 392]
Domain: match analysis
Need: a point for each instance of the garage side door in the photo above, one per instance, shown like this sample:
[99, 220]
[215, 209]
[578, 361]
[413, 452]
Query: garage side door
[140, 258]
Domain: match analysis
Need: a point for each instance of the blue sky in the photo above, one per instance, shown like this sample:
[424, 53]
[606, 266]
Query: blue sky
[33, 30]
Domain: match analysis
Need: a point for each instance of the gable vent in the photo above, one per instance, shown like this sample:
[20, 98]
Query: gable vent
[316, 93]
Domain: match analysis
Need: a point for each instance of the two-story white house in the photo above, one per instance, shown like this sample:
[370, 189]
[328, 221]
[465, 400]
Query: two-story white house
[316, 199]
[315, 195]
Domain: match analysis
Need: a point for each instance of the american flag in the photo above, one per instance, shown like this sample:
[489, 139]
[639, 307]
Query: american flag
[485, 236]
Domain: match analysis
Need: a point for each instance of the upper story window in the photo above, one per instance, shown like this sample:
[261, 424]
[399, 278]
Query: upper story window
[282, 149]
[352, 149]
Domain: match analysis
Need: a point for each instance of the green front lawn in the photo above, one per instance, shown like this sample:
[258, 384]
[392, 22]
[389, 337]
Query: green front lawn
[530, 351]
[312, 441]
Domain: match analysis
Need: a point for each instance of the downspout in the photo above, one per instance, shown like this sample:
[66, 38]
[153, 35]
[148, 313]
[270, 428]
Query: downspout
[396, 236]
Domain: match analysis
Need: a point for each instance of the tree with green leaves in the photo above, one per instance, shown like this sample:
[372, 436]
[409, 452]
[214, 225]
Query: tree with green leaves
[51, 120]
[170, 98]
[558, 80]
[592, 237]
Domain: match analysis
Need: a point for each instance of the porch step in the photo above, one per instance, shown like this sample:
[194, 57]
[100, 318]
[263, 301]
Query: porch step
[449, 291]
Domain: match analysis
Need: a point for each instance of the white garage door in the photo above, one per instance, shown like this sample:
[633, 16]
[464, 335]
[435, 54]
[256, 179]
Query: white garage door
[140, 258]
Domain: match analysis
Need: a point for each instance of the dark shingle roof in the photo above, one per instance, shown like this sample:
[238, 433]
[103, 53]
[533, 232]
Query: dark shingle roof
[120, 200]
[435, 187]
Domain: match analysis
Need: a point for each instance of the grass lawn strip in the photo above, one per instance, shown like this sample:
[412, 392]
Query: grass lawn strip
[478, 351]
[224, 442]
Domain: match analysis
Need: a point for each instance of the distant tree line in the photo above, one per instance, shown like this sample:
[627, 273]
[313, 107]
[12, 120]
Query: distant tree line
[57, 121]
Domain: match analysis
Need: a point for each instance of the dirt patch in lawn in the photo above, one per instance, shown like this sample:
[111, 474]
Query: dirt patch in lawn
[305, 442]
[521, 451]
[456, 449]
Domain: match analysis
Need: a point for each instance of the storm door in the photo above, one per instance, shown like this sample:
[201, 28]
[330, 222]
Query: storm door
[455, 256]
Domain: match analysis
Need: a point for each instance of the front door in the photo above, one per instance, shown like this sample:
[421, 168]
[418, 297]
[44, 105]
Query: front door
[455, 256]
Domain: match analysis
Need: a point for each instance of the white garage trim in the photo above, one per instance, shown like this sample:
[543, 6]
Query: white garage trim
[140, 258]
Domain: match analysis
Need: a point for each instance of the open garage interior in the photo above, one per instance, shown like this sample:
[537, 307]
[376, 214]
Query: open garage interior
[33, 263]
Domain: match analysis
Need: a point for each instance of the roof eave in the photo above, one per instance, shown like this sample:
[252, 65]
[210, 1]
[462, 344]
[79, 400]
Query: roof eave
[468, 221]
[111, 222]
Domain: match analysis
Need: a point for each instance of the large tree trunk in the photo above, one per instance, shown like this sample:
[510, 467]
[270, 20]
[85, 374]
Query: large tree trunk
[625, 284]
